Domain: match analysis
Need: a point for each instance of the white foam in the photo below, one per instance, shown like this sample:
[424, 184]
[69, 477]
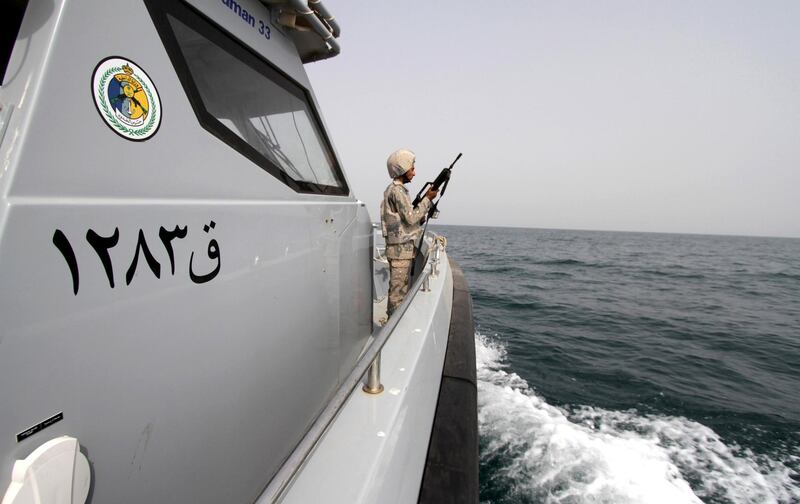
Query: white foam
[545, 454]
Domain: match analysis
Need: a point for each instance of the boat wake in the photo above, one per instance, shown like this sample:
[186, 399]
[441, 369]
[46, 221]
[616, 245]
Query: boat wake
[532, 451]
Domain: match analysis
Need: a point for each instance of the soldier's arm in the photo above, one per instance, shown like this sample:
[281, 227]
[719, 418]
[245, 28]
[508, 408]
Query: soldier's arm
[408, 213]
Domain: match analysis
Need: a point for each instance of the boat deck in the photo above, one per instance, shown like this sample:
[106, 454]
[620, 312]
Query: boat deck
[376, 447]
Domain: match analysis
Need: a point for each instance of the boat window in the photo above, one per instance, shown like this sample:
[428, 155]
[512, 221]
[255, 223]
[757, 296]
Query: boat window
[249, 104]
[11, 15]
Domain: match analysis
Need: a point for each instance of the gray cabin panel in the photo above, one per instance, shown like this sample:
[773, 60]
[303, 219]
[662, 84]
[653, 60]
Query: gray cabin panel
[228, 373]
[355, 267]
[191, 162]
[190, 386]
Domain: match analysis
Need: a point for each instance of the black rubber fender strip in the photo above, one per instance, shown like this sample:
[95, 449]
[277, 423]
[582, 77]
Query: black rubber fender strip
[451, 468]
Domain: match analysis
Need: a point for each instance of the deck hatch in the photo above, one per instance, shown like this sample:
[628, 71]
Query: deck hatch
[247, 103]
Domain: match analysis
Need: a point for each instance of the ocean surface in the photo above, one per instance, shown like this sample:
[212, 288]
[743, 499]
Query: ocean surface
[634, 367]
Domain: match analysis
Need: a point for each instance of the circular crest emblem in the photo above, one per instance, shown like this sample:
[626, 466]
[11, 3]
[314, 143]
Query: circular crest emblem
[126, 98]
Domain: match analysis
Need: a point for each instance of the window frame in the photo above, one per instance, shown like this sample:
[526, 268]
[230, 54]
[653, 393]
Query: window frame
[159, 11]
[10, 35]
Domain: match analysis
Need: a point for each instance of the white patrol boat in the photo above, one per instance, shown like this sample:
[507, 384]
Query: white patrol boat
[190, 294]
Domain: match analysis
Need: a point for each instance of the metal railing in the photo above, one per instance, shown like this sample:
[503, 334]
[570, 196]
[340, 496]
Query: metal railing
[373, 384]
[368, 364]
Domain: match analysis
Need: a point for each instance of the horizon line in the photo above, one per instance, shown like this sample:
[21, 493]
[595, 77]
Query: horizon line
[624, 231]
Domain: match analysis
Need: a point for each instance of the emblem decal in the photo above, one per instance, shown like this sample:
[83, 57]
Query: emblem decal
[126, 98]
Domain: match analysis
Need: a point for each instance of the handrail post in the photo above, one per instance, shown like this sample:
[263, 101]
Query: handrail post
[426, 281]
[374, 385]
[436, 258]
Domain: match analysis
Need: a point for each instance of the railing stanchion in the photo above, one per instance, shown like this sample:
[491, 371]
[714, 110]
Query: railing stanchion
[374, 385]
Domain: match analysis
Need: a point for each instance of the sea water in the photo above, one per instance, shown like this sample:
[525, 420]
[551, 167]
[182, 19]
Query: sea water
[634, 367]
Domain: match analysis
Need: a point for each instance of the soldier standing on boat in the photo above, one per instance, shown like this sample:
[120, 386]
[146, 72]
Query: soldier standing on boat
[401, 224]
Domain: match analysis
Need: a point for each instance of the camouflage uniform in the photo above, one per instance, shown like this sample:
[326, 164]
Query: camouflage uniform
[401, 228]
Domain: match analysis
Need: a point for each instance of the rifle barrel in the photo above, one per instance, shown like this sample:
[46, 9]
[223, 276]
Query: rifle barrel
[454, 162]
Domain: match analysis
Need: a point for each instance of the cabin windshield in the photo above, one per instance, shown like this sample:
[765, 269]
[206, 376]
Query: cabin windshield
[259, 107]
[11, 15]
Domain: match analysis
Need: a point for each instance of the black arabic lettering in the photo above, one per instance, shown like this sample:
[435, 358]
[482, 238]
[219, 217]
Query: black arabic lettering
[155, 267]
[166, 239]
[101, 244]
[63, 246]
[213, 253]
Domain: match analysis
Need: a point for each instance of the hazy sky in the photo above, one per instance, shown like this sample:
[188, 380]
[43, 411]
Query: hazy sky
[678, 116]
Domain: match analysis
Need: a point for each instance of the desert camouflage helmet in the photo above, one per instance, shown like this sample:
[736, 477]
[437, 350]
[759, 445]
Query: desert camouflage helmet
[399, 162]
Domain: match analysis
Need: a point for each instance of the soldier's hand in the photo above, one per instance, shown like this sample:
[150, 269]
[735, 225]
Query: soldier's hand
[431, 193]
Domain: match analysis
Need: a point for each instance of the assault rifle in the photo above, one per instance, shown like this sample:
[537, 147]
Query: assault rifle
[439, 184]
